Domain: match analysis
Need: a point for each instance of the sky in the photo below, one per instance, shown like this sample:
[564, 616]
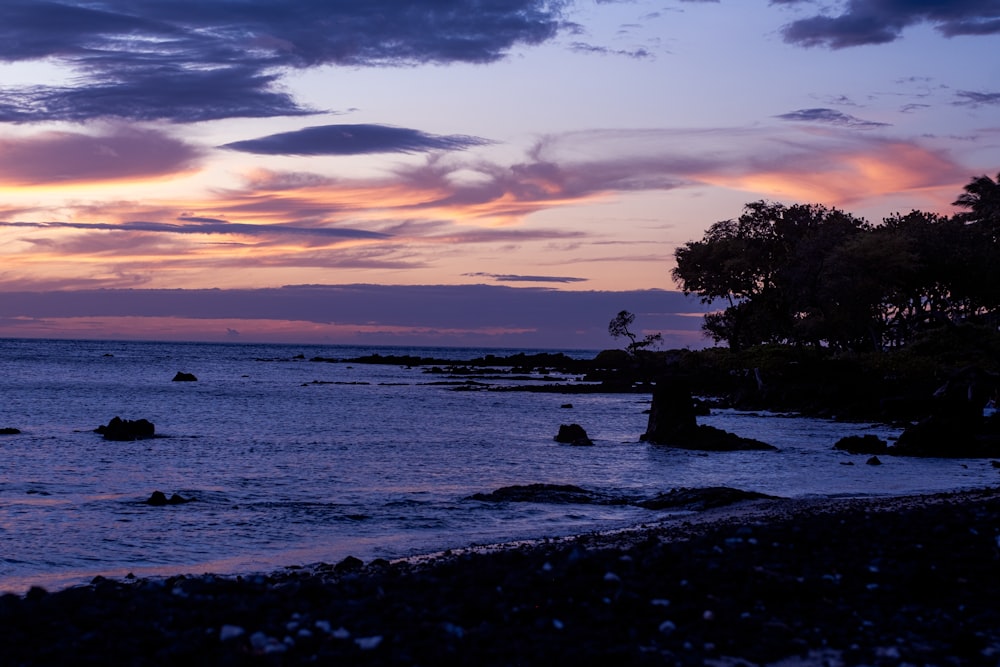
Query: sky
[507, 173]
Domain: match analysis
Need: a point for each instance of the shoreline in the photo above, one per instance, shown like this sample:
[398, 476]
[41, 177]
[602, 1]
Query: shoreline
[877, 580]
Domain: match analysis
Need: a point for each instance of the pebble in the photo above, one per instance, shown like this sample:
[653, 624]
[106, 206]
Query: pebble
[368, 643]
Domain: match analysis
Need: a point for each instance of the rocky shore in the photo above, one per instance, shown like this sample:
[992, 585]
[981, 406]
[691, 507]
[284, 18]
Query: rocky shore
[892, 581]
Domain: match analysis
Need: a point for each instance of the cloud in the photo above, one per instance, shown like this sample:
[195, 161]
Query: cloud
[882, 21]
[203, 226]
[353, 140]
[197, 60]
[371, 314]
[975, 99]
[510, 278]
[637, 54]
[830, 116]
[118, 154]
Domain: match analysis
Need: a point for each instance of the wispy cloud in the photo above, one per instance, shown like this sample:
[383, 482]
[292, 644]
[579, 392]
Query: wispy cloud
[353, 140]
[512, 278]
[976, 99]
[881, 21]
[830, 116]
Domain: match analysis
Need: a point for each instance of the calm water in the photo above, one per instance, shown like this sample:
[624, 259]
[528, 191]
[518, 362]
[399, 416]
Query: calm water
[295, 462]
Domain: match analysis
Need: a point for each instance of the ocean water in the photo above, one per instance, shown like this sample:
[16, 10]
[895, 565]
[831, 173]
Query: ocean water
[294, 461]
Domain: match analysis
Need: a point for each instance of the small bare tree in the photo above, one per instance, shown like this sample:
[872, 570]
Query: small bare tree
[619, 327]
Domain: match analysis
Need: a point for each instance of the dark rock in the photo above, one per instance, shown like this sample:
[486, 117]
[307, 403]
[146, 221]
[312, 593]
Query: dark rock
[126, 429]
[566, 406]
[349, 564]
[700, 499]
[573, 434]
[546, 493]
[159, 499]
[9, 431]
[673, 422]
[184, 377]
[873, 461]
[862, 444]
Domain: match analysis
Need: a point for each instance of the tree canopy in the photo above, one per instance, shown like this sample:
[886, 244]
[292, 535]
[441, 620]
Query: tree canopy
[810, 275]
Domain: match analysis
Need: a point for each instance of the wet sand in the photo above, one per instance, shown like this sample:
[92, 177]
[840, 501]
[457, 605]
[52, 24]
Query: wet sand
[891, 581]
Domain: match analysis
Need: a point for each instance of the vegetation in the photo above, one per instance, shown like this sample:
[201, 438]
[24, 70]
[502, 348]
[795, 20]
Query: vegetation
[619, 327]
[811, 276]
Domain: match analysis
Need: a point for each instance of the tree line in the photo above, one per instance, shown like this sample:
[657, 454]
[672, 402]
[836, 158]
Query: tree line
[806, 274]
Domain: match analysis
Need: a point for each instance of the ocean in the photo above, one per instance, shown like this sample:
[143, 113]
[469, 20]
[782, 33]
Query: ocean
[295, 461]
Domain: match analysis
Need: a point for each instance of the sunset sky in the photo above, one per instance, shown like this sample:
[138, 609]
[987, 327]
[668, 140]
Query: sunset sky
[508, 173]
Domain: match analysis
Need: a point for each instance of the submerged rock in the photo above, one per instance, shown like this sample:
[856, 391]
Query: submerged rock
[673, 422]
[184, 377]
[862, 444]
[126, 429]
[9, 431]
[158, 499]
[573, 434]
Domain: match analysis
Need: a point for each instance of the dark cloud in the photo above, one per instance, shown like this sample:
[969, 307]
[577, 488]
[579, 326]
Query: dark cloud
[974, 99]
[830, 116]
[203, 226]
[881, 21]
[539, 316]
[353, 140]
[65, 157]
[195, 60]
[511, 278]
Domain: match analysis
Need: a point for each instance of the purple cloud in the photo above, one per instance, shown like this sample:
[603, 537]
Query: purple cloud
[353, 140]
[196, 60]
[830, 116]
[204, 226]
[512, 278]
[881, 21]
[536, 316]
[975, 99]
[64, 157]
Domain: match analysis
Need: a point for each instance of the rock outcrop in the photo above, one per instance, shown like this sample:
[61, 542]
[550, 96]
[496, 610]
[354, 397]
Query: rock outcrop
[573, 434]
[159, 499]
[956, 427]
[673, 422]
[184, 377]
[126, 429]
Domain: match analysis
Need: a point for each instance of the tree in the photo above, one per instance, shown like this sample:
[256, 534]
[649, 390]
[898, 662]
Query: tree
[768, 266]
[619, 327]
[982, 198]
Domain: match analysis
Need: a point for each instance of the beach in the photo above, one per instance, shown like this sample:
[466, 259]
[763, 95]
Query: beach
[875, 581]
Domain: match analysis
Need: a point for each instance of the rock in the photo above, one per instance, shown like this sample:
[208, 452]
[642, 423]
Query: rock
[673, 422]
[184, 377]
[700, 499]
[9, 431]
[547, 493]
[125, 429]
[573, 434]
[567, 406]
[873, 461]
[349, 564]
[956, 427]
[159, 499]
[862, 444]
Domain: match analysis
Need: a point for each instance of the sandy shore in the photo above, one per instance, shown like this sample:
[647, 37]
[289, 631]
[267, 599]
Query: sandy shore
[913, 580]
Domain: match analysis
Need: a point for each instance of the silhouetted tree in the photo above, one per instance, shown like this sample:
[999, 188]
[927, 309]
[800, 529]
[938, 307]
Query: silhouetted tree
[619, 326]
